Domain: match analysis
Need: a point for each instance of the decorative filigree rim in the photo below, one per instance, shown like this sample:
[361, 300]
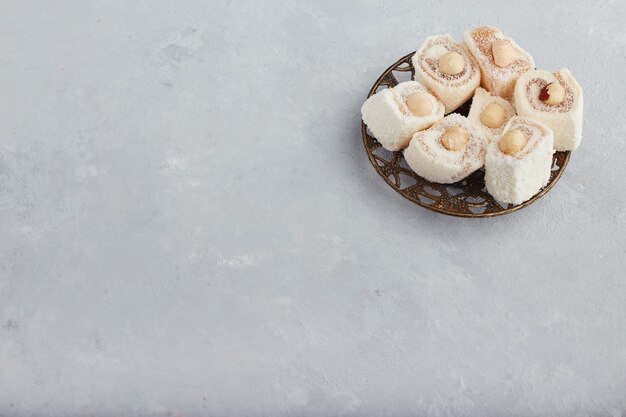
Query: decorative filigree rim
[472, 189]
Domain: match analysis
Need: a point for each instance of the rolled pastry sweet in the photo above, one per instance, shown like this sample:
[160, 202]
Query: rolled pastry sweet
[447, 69]
[556, 100]
[448, 152]
[393, 115]
[518, 163]
[490, 113]
[501, 60]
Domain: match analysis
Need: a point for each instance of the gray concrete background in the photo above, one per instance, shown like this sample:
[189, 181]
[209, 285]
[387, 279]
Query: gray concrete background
[189, 224]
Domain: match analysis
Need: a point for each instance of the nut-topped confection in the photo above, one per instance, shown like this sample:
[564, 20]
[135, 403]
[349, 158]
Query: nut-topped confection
[518, 163]
[501, 60]
[447, 69]
[518, 117]
[490, 113]
[556, 100]
[394, 114]
[448, 152]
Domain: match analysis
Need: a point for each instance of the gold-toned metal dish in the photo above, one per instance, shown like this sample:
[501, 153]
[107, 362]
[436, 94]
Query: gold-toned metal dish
[467, 198]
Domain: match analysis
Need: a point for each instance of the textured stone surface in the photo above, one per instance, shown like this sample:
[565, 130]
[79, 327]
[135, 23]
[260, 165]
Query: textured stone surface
[189, 224]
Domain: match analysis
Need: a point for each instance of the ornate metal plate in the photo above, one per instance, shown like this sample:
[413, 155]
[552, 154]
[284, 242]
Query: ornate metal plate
[467, 198]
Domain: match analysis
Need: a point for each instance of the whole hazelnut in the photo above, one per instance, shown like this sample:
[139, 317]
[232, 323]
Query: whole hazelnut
[552, 94]
[512, 142]
[451, 63]
[419, 103]
[454, 138]
[493, 115]
[503, 52]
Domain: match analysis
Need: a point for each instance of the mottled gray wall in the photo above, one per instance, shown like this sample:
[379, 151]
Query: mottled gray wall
[189, 224]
